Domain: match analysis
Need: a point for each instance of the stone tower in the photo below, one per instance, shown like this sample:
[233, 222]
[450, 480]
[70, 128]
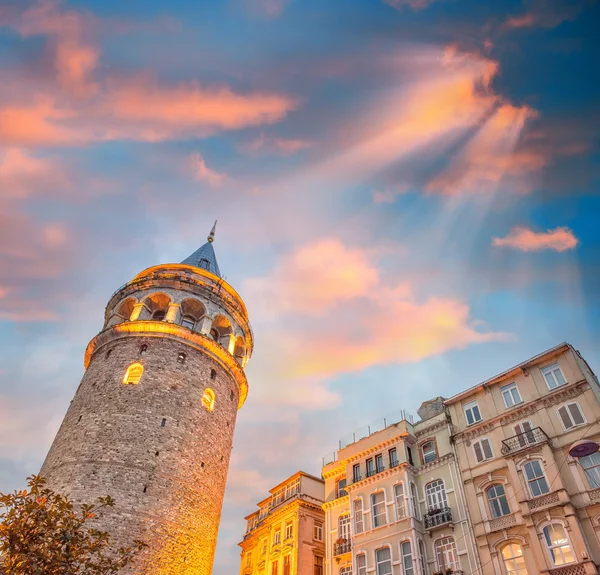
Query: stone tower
[152, 421]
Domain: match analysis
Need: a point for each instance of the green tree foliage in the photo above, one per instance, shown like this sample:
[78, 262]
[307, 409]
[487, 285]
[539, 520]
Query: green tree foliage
[43, 533]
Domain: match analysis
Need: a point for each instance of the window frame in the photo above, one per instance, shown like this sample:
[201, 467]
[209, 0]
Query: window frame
[318, 531]
[358, 513]
[361, 569]
[550, 547]
[344, 529]
[374, 515]
[456, 560]
[434, 451]
[536, 479]
[289, 530]
[370, 467]
[318, 565]
[550, 369]
[393, 457]
[356, 473]
[277, 536]
[566, 407]
[287, 564]
[403, 557]
[468, 407]
[512, 557]
[593, 483]
[422, 552]
[188, 319]
[414, 501]
[379, 465]
[509, 388]
[497, 499]
[400, 508]
[388, 560]
[435, 494]
[480, 443]
[275, 566]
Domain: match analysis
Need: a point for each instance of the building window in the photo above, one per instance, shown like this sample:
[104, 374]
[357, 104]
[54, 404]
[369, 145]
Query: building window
[407, 559]
[133, 374]
[318, 566]
[514, 562]
[414, 502]
[318, 531]
[289, 530]
[571, 415]
[591, 466]
[422, 557]
[277, 537]
[188, 321]
[445, 553]
[370, 467]
[553, 376]
[409, 455]
[347, 570]
[383, 561]
[497, 500]
[524, 432]
[143, 348]
[510, 394]
[428, 451]
[249, 559]
[208, 399]
[340, 488]
[274, 567]
[472, 413]
[393, 457]
[344, 527]
[558, 544]
[264, 547]
[286, 565]
[356, 473]
[359, 521]
[436, 495]
[399, 501]
[378, 508]
[159, 315]
[379, 463]
[535, 478]
[361, 564]
[482, 449]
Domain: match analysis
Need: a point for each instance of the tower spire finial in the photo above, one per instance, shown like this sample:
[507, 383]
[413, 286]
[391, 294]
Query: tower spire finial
[211, 236]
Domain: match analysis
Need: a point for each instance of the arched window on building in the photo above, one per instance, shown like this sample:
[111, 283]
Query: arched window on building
[399, 501]
[383, 561]
[436, 495]
[133, 374]
[558, 545]
[346, 570]
[407, 558]
[208, 399]
[445, 553]
[497, 500]
[514, 562]
[344, 527]
[361, 564]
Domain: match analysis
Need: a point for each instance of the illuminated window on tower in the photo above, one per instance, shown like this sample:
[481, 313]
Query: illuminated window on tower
[208, 399]
[133, 374]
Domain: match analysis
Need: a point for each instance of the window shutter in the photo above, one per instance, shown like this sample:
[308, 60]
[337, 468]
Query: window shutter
[487, 449]
[576, 413]
[478, 453]
[564, 415]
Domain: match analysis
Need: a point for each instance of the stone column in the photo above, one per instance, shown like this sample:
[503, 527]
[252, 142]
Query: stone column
[172, 312]
[135, 313]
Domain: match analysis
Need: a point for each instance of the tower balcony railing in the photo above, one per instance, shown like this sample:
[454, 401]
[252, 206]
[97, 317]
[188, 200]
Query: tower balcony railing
[516, 443]
[438, 517]
[342, 546]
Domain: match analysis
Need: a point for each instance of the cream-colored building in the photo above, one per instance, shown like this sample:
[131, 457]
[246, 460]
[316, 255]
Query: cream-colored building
[534, 509]
[286, 536]
[394, 501]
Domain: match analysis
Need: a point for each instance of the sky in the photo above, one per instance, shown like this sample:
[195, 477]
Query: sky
[407, 196]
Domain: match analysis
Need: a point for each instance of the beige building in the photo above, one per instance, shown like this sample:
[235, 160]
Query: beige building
[534, 509]
[394, 501]
[285, 536]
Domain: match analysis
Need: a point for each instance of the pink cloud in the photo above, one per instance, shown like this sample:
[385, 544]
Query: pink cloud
[201, 172]
[317, 276]
[491, 157]
[413, 4]
[559, 239]
[23, 175]
[272, 145]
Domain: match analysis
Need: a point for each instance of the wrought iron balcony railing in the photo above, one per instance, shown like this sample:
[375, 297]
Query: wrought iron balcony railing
[341, 548]
[523, 440]
[438, 517]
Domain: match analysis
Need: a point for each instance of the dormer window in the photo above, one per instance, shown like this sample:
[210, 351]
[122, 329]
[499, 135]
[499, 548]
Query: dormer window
[204, 263]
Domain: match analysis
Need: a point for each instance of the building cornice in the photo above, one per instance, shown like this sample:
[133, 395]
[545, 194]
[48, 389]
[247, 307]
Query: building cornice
[179, 333]
[553, 398]
[335, 502]
[381, 475]
[431, 429]
[435, 464]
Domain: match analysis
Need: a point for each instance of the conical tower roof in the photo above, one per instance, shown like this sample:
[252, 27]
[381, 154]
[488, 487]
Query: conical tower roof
[204, 257]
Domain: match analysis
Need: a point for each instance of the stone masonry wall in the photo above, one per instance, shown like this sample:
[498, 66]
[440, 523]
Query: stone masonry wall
[153, 448]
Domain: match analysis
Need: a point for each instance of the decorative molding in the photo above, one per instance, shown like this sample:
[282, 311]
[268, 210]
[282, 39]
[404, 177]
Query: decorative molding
[339, 470]
[431, 429]
[378, 476]
[336, 503]
[435, 464]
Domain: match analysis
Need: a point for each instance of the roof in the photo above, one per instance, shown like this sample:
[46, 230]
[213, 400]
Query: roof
[535, 358]
[204, 257]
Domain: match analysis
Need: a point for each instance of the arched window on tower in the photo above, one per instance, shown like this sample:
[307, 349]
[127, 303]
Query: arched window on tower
[159, 315]
[214, 334]
[208, 399]
[133, 374]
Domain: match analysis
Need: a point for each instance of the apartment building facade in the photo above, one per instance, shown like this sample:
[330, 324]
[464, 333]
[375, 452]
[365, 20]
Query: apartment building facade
[394, 503]
[534, 509]
[285, 536]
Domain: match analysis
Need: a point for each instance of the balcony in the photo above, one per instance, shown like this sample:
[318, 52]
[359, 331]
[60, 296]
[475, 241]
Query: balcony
[378, 469]
[516, 443]
[341, 546]
[435, 518]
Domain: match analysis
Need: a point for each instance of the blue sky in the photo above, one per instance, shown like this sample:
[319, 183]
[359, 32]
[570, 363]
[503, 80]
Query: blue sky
[407, 196]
